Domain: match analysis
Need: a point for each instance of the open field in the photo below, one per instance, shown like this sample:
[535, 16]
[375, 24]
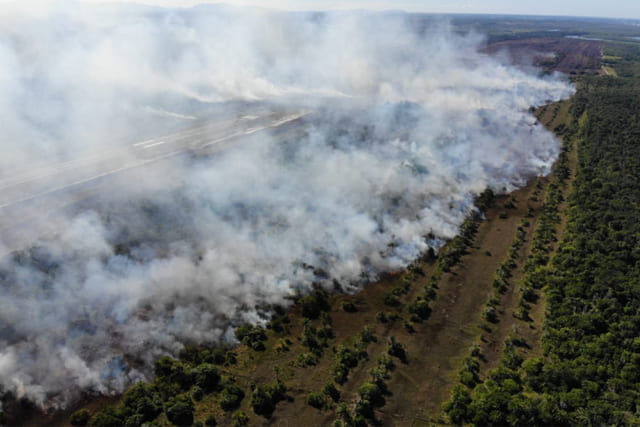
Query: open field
[571, 56]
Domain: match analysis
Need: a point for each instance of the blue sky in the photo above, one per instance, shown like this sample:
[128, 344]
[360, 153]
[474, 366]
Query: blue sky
[599, 8]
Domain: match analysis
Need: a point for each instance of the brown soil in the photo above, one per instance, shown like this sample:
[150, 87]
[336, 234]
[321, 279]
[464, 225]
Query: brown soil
[571, 56]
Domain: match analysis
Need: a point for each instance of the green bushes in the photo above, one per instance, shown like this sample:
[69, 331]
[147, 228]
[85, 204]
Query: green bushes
[331, 391]
[265, 398]
[206, 376]
[349, 356]
[589, 371]
[79, 418]
[340, 373]
[231, 397]
[317, 400]
[179, 410]
[349, 307]
[457, 408]
[420, 307]
[251, 336]
[261, 402]
[314, 304]
[485, 200]
[140, 400]
[306, 359]
[215, 356]
[172, 371]
[367, 335]
[458, 246]
[239, 419]
[316, 339]
[371, 395]
[396, 349]
[381, 317]
[107, 417]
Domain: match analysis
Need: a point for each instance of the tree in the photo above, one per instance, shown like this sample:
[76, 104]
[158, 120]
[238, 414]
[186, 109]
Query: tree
[107, 417]
[394, 348]
[239, 419]
[317, 400]
[172, 371]
[458, 407]
[370, 392]
[231, 397]
[141, 400]
[206, 376]
[314, 304]
[332, 391]
[261, 402]
[79, 418]
[179, 410]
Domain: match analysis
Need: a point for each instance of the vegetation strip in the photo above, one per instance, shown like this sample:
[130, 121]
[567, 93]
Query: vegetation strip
[590, 369]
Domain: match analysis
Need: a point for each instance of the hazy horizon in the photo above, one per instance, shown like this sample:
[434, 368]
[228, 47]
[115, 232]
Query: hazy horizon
[625, 9]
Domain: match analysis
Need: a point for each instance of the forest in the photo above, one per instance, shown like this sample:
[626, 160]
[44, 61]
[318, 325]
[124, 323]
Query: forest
[589, 370]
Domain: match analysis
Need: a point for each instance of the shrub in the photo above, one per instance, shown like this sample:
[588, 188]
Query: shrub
[367, 335]
[197, 393]
[386, 363]
[283, 345]
[391, 300]
[372, 393]
[306, 359]
[231, 397]
[317, 400]
[172, 371]
[277, 391]
[140, 401]
[394, 348]
[206, 376]
[409, 327]
[458, 407]
[239, 419]
[179, 410]
[261, 402]
[420, 307]
[79, 418]
[490, 314]
[107, 417]
[347, 356]
[468, 378]
[251, 336]
[349, 307]
[314, 304]
[340, 373]
[332, 391]
[221, 356]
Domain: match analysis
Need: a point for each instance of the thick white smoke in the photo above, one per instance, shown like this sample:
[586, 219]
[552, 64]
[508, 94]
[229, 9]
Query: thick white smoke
[407, 123]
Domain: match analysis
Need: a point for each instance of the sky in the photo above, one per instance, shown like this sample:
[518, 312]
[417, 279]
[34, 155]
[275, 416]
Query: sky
[596, 8]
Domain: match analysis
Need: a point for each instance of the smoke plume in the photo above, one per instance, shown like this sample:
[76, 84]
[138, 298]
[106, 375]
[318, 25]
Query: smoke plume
[395, 125]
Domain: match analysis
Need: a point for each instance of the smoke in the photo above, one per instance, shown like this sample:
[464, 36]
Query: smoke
[396, 125]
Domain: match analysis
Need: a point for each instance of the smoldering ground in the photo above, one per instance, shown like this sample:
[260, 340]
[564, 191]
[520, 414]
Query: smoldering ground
[408, 122]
